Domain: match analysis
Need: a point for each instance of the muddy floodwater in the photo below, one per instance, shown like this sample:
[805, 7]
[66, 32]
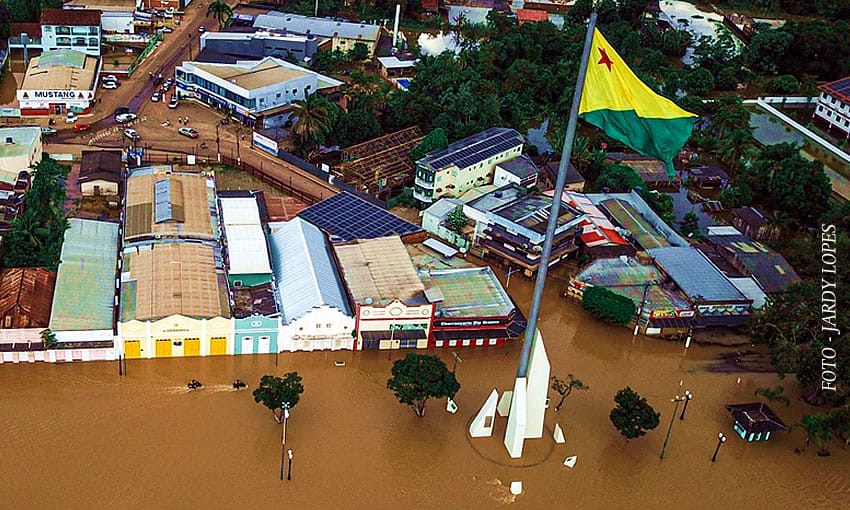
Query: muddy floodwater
[80, 436]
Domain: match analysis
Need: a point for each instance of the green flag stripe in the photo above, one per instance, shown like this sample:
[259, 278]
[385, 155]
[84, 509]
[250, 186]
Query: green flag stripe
[659, 138]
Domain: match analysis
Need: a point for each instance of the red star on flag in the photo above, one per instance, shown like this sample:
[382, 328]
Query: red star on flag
[605, 59]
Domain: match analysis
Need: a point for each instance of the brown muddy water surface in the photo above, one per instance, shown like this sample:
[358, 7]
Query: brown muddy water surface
[80, 436]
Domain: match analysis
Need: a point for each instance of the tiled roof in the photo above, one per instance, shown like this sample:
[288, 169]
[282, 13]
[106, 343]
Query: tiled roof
[73, 17]
[768, 267]
[531, 15]
[101, 163]
[26, 294]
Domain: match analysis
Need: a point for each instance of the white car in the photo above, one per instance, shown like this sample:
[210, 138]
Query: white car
[123, 118]
[132, 134]
[187, 131]
[110, 85]
[174, 102]
[71, 118]
[156, 97]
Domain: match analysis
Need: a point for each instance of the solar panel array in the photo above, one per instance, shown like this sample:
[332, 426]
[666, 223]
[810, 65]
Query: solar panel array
[840, 87]
[348, 217]
[162, 201]
[479, 151]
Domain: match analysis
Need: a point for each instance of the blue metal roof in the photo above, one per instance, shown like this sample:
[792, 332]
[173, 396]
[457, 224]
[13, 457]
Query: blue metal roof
[305, 273]
[694, 274]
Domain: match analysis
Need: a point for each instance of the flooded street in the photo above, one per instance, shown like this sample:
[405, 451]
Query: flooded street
[80, 436]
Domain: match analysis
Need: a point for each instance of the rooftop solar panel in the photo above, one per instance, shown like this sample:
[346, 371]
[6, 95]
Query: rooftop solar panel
[348, 217]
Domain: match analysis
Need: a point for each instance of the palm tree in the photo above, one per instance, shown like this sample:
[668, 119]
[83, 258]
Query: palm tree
[314, 118]
[219, 10]
[773, 394]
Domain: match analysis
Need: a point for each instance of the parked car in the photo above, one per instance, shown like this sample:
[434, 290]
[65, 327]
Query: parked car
[123, 118]
[110, 85]
[201, 29]
[187, 131]
[168, 83]
[132, 134]
[110, 77]
[71, 118]
[121, 109]
[174, 102]
[166, 30]
[47, 131]
[156, 96]
[79, 127]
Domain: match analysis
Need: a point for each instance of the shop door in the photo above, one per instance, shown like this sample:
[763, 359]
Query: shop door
[132, 349]
[192, 347]
[265, 346]
[247, 345]
[218, 345]
[163, 348]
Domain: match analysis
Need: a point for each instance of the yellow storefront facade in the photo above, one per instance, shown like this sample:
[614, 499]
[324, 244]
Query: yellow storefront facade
[176, 336]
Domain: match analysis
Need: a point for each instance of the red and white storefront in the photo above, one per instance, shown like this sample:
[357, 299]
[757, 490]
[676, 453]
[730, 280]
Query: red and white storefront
[55, 102]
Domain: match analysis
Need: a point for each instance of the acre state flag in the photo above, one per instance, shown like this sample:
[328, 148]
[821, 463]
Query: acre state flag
[616, 101]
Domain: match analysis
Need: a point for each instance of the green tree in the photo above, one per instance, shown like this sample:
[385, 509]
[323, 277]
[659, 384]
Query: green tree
[220, 11]
[418, 377]
[766, 49]
[48, 338]
[5, 20]
[358, 53]
[564, 387]
[700, 81]
[633, 416]
[785, 84]
[326, 61]
[314, 120]
[433, 141]
[457, 220]
[357, 126]
[661, 204]
[816, 429]
[279, 393]
[689, 226]
[608, 306]
[618, 179]
[773, 394]
[838, 421]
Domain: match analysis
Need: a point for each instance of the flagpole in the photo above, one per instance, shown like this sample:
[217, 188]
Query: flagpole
[556, 201]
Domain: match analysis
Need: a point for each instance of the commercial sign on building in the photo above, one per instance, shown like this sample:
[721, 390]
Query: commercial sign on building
[56, 95]
[442, 323]
[671, 314]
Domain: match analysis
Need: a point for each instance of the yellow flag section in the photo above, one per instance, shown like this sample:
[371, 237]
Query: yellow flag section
[616, 101]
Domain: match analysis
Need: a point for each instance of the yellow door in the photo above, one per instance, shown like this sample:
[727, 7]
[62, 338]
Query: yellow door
[192, 347]
[218, 345]
[163, 348]
[132, 349]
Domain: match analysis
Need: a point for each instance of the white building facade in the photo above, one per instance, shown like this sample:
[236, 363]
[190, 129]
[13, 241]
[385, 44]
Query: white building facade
[834, 105]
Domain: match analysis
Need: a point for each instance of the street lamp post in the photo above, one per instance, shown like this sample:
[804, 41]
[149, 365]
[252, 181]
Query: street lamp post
[675, 399]
[508, 273]
[218, 142]
[688, 397]
[289, 474]
[285, 407]
[457, 358]
[720, 440]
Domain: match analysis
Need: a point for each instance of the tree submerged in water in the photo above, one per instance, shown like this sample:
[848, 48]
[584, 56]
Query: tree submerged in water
[564, 387]
[279, 393]
[633, 416]
[418, 377]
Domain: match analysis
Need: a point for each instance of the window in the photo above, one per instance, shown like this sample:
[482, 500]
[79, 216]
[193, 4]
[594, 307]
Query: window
[318, 326]
[237, 283]
[63, 30]
[466, 342]
[63, 41]
[440, 343]
[452, 343]
[409, 343]
[479, 342]
[492, 341]
[294, 92]
[79, 41]
[329, 325]
[277, 96]
[93, 41]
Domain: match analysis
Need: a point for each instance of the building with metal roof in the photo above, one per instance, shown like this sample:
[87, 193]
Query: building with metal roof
[84, 303]
[770, 269]
[260, 44]
[346, 217]
[435, 222]
[315, 313]
[20, 150]
[752, 222]
[755, 421]
[101, 172]
[637, 220]
[465, 164]
[245, 240]
[520, 170]
[344, 34]
[389, 301]
[163, 204]
[26, 294]
[834, 105]
[59, 81]
[250, 89]
[718, 302]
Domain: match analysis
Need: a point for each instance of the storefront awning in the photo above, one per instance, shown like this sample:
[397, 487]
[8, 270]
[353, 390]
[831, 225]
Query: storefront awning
[671, 322]
[401, 334]
[462, 334]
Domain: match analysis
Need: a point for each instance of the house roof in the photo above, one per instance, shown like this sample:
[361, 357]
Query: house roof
[31, 29]
[573, 176]
[839, 89]
[74, 17]
[751, 216]
[695, 275]
[60, 70]
[379, 271]
[246, 241]
[473, 149]
[768, 267]
[751, 289]
[163, 279]
[169, 204]
[532, 212]
[530, 15]
[23, 140]
[323, 27]
[597, 229]
[101, 164]
[470, 292]
[85, 280]
[646, 235]
[442, 207]
[26, 294]
[396, 63]
[304, 270]
[252, 75]
[756, 417]
[347, 217]
[520, 166]
[709, 173]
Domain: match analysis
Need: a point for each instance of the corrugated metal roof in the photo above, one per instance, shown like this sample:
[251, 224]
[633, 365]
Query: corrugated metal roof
[322, 27]
[694, 274]
[25, 297]
[442, 207]
[304, 270]
[751, 289]
[246, 241]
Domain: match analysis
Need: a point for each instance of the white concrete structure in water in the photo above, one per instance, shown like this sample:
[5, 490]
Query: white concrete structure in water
[528, 407]
[482, 425]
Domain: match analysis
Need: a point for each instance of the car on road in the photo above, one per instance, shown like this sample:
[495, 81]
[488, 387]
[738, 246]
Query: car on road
[121, 109]
[156, 96]
[166, 30]
[174, 101]
[132, 134]
[110, 77]
[80, 127]
[123, 118]
[110, 85]
[168, 83]
[187, 131]
[47, 131]
[202, 29]
[70, 118]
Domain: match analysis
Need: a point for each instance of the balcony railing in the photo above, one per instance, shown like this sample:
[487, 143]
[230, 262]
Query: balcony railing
[34, 42]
